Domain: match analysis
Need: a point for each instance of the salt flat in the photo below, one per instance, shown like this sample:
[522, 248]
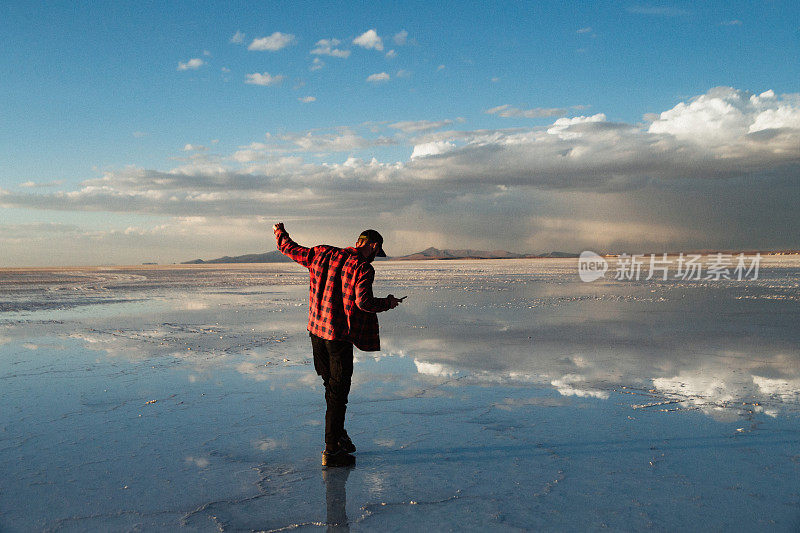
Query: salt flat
[509, 395]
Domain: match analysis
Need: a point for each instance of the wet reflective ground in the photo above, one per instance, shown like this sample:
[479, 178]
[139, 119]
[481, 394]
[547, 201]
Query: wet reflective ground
[509, 395]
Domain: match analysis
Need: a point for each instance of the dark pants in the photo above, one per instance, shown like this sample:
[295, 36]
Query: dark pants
[333, 361]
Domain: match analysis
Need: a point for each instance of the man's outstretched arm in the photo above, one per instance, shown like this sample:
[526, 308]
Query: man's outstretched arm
[364, 298]
[291, 249]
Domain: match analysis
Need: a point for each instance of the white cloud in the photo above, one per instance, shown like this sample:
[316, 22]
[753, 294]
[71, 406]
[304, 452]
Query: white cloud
[192, 64]
[194, 148]
[785, 388]
[379, 77]
[403, 74]
[565, 174]
[417, 126]
[264, 79]
[307, 99]
[391, 54]
[400, 38]
[272, 43]
[238, 37]
[585, 30]
[345, 140]
[563, 126]
[699, 388]
[200, 462]
[250, 153]
[327, 47]
[728, 117]
[433, 369]
[735, 22]
[574, 385]
[139, 134]
[369, 40]
[573, 153]
[316, 64]
[432, 148]
[40, 184]
[440, 67]
[507, 111]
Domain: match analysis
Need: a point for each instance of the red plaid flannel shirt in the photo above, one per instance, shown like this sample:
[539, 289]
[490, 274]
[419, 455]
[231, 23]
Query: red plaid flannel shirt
[340, 301]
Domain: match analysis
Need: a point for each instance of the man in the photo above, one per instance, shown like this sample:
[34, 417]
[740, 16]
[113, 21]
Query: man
[342, 312]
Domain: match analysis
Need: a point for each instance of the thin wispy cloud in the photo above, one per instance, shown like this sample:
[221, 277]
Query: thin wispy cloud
[315, 142]
[40, 184]
[316, 64]
[378, 77]
[192, 64]
[306, 99]
[345, 140]
[237, 38]
[273, 42]
[585, 30]
[400, 38]
[417, 126]
[735, 22]
[369, 40]
[508, 111]
[264, 78]
[660, 11]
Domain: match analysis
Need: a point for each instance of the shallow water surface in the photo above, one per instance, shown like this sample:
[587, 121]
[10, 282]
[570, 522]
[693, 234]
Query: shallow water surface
[508, 395]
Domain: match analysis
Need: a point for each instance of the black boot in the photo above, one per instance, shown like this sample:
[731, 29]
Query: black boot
[346, 444]
[337, 458]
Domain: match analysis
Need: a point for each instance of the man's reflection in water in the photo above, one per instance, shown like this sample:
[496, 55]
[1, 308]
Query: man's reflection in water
[336, 497]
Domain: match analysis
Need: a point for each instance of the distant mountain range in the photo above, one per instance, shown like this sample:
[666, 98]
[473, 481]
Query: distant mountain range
[429, 253]
[269, 257]
[435, 253]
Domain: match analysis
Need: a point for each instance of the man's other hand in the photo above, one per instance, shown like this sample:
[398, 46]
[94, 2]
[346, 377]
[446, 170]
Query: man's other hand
[394, 302]
[277, 227]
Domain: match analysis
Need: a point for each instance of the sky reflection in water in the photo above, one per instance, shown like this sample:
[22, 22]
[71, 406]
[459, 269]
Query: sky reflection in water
[507, 393]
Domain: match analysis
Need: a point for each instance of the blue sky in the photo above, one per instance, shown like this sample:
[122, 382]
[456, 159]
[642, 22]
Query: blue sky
[96, 106]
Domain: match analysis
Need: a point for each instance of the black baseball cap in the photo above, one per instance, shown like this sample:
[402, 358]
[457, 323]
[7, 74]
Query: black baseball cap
[370, 235]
